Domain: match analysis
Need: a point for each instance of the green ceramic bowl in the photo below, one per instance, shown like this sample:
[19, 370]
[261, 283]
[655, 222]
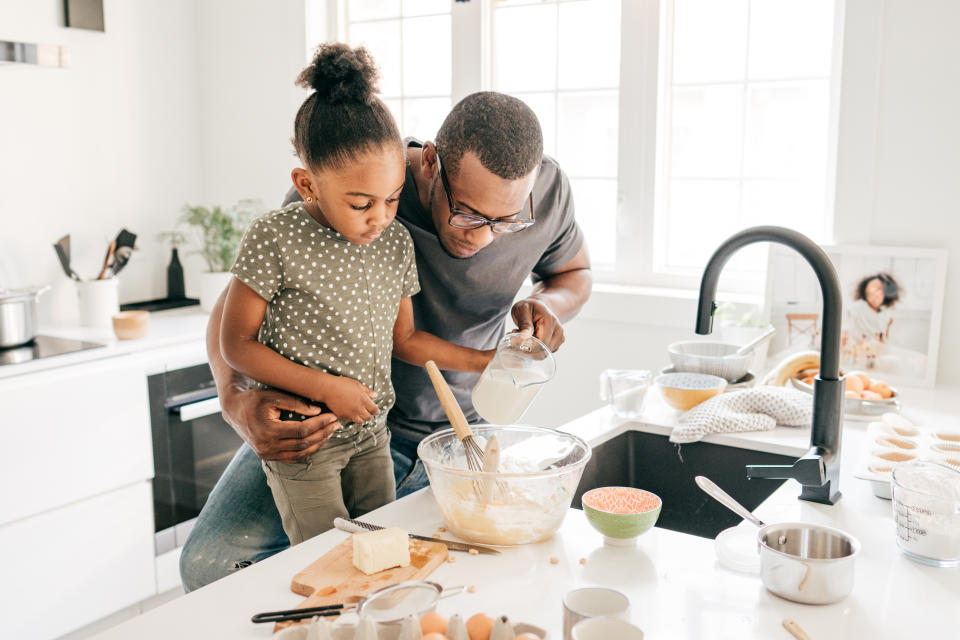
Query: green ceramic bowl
[621, 513]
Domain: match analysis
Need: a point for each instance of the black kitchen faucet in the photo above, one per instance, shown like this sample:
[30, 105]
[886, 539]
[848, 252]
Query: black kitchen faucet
[819, 469]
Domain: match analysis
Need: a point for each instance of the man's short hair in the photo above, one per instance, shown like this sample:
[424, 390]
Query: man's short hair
[502, 130]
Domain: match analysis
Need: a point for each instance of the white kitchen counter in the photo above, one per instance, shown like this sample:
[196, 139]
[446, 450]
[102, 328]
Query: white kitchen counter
[179, 333]
[676, 587]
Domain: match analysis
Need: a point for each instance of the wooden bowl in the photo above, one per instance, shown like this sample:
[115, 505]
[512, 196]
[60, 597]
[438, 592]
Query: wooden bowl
[130, 325]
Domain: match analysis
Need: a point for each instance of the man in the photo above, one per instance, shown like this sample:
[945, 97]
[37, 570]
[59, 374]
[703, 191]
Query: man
[486, 210]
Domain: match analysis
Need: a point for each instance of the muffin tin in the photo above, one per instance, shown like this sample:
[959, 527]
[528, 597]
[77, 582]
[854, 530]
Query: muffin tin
[894, 440]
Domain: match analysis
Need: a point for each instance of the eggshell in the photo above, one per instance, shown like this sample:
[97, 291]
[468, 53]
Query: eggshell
[527, 636]
[433, 622]
[854, 384]
[479, 626]
[882, 388]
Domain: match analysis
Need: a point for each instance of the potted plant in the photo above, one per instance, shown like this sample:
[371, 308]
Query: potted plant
[216, 232]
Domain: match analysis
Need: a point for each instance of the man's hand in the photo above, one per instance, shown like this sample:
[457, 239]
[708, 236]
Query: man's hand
[255, 416]
[534, 318]
[350, 400]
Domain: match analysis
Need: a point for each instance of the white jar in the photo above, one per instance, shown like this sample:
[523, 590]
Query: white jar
[99, 302]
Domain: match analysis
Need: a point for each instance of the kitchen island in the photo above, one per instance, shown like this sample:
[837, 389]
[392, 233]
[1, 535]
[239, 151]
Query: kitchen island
[675, 585]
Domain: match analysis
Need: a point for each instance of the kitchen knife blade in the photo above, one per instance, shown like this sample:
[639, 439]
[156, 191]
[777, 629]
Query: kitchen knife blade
[352, 526]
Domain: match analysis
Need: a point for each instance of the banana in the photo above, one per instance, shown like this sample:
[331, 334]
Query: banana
[791, 366]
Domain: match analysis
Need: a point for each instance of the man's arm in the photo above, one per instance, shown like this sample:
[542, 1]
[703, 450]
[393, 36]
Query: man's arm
[255, 415]
[555, 299]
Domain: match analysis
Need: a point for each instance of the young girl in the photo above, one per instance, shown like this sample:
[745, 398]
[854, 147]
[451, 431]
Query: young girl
[320, 296]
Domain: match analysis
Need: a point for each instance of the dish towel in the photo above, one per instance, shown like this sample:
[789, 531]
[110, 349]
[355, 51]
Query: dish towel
[759, 409]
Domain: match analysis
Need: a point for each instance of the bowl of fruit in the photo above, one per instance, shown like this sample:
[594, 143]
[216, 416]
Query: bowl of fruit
[864, 395]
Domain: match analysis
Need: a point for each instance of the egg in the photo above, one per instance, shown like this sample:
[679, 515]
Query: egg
[479, 626]
[434, 636]
[853, 383]
[433, 622]
[882, 388]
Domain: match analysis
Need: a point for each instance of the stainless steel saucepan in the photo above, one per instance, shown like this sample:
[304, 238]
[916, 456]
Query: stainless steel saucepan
[18, 315]
[807, 563]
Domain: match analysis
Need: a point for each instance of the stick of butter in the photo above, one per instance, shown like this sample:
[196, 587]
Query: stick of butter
[375, 551]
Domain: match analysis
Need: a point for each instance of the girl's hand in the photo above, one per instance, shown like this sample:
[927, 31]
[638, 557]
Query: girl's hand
[350, 401]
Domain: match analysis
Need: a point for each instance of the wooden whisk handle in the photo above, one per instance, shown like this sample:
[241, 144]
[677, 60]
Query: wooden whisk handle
[450, 406]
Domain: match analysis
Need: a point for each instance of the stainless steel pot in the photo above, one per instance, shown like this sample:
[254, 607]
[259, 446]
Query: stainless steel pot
[18, 315]
[807, 563]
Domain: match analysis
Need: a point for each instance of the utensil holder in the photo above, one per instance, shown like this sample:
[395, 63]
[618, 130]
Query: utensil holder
[99, 302]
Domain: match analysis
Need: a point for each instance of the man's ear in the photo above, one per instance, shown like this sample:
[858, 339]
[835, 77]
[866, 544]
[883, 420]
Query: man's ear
[303, 183]
[429, 166]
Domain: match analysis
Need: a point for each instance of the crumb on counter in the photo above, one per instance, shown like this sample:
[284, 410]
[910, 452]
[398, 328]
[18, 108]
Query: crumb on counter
[451, 559]
[554, 560]
[441, 529]
[474, 552]
[583, 561]
[471, 589]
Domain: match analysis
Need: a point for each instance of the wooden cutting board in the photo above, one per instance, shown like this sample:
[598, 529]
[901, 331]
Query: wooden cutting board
[332, 578]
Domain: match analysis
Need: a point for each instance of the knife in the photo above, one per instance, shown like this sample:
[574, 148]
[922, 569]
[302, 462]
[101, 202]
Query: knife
[355, 526]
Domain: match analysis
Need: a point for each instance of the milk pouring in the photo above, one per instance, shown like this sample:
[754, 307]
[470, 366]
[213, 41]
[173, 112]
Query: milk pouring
[512, 379]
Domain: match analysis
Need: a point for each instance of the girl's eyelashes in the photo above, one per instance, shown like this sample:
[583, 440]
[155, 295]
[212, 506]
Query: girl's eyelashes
[360, 208]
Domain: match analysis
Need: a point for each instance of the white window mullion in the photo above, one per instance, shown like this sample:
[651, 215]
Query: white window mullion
[639, 47]
[470, 39]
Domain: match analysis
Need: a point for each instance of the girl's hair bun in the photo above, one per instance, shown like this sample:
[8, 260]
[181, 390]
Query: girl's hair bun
[341, 74]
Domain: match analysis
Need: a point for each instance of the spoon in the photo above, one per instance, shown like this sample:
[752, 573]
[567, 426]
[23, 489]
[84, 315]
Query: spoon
[724, 498]
[750, 345]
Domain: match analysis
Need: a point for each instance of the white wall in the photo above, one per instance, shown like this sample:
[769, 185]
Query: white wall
[112, 141]
[177, 101]
[248, 55]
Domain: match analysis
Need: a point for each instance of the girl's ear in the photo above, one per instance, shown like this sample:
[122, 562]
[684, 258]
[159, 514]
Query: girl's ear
[304, 184]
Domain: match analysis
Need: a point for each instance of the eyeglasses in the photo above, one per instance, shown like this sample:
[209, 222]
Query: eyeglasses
[467, 220]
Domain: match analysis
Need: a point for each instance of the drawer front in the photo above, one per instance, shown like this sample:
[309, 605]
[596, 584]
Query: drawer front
[72, 433]
[71, 566]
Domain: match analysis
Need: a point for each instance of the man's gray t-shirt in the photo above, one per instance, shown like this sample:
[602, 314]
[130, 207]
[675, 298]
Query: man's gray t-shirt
[466, 301]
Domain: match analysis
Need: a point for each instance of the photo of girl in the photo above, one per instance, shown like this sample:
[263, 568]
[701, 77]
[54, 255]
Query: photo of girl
[892, 304]
[869, 319]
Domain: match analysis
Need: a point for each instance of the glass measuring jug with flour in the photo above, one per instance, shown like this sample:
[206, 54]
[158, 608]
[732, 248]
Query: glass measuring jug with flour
[513, 378]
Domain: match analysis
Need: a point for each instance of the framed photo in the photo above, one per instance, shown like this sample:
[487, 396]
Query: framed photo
[892, 308]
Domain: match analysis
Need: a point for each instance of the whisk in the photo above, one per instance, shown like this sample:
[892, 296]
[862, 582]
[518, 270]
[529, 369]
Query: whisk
[474, 454]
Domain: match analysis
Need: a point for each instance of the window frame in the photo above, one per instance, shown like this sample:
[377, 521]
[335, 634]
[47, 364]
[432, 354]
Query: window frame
[642, 105]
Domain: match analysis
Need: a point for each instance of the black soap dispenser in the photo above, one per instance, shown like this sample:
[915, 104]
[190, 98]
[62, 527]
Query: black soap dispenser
[175, 288]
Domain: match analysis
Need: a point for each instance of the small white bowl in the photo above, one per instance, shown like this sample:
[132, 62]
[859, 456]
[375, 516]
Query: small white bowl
[714, 358]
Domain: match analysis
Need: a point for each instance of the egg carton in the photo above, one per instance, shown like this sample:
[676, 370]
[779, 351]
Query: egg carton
[893, 440]
[364, 628]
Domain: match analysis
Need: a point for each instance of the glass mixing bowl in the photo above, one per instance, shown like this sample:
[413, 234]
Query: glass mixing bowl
[539, 473]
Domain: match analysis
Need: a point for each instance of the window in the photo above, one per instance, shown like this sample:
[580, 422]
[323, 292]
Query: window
[745, 96]
[678, 122]
[568, 71]
[411, 43]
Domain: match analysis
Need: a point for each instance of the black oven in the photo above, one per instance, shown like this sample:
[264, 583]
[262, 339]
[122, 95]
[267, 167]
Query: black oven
[192, 445]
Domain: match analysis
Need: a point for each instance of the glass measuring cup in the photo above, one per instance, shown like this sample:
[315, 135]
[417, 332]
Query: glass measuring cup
[513, 378]
[926, 509]
[625, 390]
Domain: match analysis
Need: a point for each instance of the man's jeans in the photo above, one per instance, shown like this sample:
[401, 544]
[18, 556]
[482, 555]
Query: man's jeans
[240, 525]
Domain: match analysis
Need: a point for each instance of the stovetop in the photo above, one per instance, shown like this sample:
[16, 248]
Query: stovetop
[43, 347]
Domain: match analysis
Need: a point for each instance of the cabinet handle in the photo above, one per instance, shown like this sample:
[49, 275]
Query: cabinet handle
[200, 409]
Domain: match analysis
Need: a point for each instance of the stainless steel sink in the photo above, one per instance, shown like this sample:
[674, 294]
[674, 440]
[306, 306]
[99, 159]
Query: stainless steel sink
[649, 461]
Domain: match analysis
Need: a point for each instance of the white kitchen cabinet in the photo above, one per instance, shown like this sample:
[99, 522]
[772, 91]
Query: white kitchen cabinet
[70, 433]
[71, 566]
